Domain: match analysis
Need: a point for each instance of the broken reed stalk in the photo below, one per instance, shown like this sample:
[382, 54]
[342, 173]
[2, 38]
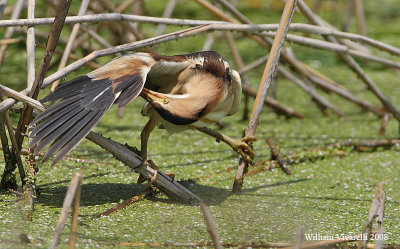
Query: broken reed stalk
[275, 155]
[270, 67]
[70, 198]
[210, 225]
[30, 45]
[127, 202]
[373, 212]
[72, 37]
[351, 63]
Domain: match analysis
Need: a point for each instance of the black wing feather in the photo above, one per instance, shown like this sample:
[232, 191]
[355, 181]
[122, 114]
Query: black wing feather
[54, 122]
[130, 89]
[84, 101]
[67, 89]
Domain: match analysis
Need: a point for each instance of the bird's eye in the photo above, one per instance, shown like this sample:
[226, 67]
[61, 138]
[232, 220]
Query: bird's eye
[228, 75]
[197, 66]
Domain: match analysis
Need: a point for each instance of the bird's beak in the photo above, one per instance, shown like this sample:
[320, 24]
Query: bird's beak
[152, 96]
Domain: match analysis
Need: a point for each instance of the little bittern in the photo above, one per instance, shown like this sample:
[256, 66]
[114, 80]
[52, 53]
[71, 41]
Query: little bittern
[182, 91]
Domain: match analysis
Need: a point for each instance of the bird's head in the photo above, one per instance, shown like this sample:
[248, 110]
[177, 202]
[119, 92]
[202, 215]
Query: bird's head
[205, 83]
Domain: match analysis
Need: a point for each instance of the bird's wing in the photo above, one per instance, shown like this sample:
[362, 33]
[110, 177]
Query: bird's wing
[85, 100]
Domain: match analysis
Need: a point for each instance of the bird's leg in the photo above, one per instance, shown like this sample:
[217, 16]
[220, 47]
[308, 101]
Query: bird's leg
[144, 138]
[241, 146]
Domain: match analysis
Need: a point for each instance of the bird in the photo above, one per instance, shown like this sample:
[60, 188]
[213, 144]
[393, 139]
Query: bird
[189, 91]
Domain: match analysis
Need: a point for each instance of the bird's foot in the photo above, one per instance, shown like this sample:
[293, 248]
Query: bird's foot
[141, 178]
[243, 147]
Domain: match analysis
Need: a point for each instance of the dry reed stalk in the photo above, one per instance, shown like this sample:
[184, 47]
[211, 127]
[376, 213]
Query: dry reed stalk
[75, 214]
[96, 37]
[299, 238]
[352, 63]
[359, 8]
[68, 158]
[51, 45]
[127, 202]
[275, 155]
[320, 82]
[34, 92]
[71, 56]
[270, 67]
[288, 57]
[169, 9]
[70, 198]
[3, 4]
[210, 225]
[30, 45]
[11, 41]
[347, 15]
[208, 43]
[321, 101]
[127, 25]
[72, 37]
[372, 214]
[16, 153]
[335, 47]
[7, 179]
[379, 230]
[273, 103]
[326, 243]
[218, 25]
[239, 63]
[10, 30]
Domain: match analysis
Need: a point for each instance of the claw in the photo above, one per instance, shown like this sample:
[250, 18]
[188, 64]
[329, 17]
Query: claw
[242, 147]
[141, 179]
